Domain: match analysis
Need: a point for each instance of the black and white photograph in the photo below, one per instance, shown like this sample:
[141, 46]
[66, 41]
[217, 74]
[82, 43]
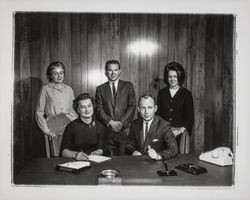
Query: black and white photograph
[114, 102]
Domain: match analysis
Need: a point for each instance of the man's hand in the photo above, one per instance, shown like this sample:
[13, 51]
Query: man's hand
[136, 153]
[115, 125]
[97, 152]
[153, 154]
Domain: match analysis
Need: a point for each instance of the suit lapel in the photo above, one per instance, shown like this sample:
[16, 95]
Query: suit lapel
[139, 135]
[119, 88]
[177, 94]
[109, 94]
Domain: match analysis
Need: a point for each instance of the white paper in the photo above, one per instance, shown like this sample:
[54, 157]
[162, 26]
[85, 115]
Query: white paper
[75, 165]
[98, 159]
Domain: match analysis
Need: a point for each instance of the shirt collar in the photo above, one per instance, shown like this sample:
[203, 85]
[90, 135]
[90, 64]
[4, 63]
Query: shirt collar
[59, 87]
[92, 124]
[116, 83]
[149, 122]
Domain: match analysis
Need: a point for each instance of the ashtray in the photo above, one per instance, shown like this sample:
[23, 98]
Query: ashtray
[109, 173]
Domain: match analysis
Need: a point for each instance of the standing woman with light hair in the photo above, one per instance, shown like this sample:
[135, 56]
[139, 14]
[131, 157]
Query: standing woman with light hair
[54, 108]
[175, 104]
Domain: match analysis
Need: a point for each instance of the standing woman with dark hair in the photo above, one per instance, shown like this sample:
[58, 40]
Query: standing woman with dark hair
[54, 108]
[175, 104]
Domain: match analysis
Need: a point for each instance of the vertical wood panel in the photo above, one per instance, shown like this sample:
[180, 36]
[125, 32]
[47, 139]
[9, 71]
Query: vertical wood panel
[195, 79]
[106, 43]
[217, 133]
[171, 38]
[84, 52]
[180, 38]
[163, 53]
[17, 100]
[143, 57]
[64, 38]
[115, 35]
[124, 41]
[134, 59]
[35, 63]
[153, 35]
[94, 52]
[76, 54]
[53, 37]
[209, 83]
[227, 112]
[25, 91]
[213, 83]
[45, 47]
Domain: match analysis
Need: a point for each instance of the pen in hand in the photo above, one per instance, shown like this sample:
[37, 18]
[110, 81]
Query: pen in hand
[82, 156]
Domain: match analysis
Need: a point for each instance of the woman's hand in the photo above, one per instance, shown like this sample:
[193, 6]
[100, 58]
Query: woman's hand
[52, 135]
[176, 132]
[98, 152]
[182, 129]
[179, 131]
[81, 156]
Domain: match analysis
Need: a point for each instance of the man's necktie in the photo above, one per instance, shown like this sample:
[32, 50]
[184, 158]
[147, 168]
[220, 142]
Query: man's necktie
[146, 131]
[113, 90]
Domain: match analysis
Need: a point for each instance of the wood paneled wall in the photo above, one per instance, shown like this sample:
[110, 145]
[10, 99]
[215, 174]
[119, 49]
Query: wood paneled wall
[203, 44]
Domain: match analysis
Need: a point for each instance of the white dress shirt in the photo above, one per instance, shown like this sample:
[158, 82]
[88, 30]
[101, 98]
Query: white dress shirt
[111, 86]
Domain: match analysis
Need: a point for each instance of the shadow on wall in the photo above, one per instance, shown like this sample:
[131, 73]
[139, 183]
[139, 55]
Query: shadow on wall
[27, 139]
[156, 85]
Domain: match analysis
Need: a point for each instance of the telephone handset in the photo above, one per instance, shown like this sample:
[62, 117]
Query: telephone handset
[220, 156]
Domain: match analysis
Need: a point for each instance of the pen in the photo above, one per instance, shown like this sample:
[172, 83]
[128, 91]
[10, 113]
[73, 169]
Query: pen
[84, 155]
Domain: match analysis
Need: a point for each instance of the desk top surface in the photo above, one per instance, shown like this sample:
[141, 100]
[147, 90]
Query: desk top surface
[134, 170]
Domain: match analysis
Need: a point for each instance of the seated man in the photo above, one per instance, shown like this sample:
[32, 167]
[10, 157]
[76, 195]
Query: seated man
[151, 134]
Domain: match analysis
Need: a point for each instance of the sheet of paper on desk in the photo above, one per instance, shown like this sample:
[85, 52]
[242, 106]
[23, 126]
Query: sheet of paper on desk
[75, 165]
[98, 159]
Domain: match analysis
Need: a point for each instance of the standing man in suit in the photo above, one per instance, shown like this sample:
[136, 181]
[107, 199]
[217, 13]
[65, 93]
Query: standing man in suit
[115, 107]
[151, 134]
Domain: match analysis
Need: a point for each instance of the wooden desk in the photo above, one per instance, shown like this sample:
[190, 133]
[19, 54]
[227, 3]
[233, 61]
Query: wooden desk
[139, 170]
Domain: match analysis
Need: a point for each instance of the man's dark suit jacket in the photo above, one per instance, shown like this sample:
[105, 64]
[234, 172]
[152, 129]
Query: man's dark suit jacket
[159, 137]
[124, 108]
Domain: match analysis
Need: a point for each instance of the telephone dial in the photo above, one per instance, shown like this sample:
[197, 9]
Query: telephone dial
[220, 156]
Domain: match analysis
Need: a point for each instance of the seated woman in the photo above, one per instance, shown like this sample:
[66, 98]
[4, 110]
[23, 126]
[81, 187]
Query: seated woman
[175, 104]
[84, 135]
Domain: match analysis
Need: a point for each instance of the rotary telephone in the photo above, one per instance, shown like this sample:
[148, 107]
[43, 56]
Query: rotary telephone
[220, 156]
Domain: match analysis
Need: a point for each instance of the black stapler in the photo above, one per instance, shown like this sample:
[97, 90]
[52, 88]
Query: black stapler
[191, 168]
[166, 172]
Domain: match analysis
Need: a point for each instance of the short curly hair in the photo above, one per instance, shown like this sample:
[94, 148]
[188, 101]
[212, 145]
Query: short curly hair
[52, 66]
[174, 66]
[80, 97]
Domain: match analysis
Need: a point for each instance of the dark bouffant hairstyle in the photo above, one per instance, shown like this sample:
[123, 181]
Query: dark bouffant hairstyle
[174, 66]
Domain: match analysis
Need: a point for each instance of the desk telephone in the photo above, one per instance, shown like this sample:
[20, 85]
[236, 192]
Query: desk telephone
[220, 156]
